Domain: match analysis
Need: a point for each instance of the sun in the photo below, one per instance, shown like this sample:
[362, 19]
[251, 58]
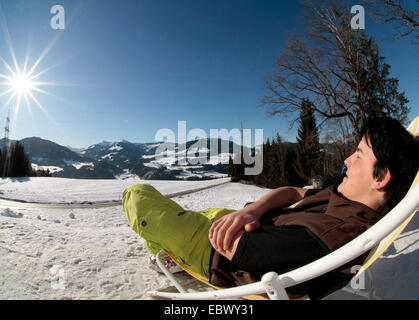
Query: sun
[22, 83]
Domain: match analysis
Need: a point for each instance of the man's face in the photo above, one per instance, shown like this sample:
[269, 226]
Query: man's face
[359, 178]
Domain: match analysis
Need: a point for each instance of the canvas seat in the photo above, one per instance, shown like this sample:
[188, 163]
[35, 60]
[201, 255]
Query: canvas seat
[377, 239]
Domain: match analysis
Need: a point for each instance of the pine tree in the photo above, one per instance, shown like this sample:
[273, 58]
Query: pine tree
[4, 162]
[307, 160]
[265, 174]
[272, 166]
[230, 166]
[1, 163]
[237, 172]
[16, 162]
[279, 153]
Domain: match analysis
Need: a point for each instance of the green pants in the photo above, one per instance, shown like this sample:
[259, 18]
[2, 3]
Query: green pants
[165, 225]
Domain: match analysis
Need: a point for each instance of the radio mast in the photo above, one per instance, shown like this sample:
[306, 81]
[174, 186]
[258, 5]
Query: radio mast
[6, 131]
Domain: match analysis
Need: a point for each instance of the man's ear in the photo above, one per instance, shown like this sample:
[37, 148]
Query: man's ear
[382, 180]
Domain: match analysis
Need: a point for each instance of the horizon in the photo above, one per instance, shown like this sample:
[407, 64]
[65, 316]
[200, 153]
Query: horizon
[125, 70]
[123, 140]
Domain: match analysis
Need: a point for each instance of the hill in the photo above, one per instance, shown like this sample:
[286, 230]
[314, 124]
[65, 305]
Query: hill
[195, 160]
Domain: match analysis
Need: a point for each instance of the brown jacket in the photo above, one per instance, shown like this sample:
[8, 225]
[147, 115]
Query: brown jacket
[332, 218]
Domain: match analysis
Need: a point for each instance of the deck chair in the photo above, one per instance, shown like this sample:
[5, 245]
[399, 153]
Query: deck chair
[377, 239]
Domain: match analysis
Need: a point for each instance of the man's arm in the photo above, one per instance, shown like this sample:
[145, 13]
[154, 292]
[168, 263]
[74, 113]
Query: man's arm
[225, 233]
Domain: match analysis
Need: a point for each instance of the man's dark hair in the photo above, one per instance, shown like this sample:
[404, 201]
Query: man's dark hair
[396, 150]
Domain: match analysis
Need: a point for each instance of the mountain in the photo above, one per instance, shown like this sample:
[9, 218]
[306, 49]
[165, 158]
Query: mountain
[121, 154]
[164, 160]
[110, 160]
[63, 162]
[49, 153]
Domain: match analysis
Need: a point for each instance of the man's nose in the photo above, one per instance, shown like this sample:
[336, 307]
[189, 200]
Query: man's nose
[347, 162]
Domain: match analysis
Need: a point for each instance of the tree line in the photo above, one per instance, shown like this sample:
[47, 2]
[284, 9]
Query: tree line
[284, 164]
[14, 162]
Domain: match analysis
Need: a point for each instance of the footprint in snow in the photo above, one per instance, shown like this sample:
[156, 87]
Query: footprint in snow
[10, 213]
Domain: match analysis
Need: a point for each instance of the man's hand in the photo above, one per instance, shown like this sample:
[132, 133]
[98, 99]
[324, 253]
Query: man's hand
[224, 230]
[225, 233]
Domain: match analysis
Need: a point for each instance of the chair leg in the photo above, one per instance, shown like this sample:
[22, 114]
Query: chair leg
[274, 287]
[168, 273]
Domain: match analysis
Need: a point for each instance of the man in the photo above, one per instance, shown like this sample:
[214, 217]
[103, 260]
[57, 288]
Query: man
[234, 248]
[359, 184]
[378, 175]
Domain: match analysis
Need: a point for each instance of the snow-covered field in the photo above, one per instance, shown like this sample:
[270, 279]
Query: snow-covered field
[94, 254]
[62, 190]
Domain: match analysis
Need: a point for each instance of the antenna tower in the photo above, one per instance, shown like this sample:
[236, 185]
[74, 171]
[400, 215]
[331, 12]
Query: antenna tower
[6, 131]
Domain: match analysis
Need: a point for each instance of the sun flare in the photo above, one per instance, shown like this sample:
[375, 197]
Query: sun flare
[22, 83]
[20, 86]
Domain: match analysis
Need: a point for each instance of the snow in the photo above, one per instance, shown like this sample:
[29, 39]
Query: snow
[221, 158]
[63, 253]
[77, 164]
[151, 146]
[169, 159]
[116, 147]
[152, 165]
[51, 169]
[108, 156]
[63, 190]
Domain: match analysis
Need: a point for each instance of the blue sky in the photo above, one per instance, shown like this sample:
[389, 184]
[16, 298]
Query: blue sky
[125, 69]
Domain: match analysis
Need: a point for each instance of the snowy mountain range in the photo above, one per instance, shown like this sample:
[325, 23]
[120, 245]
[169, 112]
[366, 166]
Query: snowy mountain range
[119, 160]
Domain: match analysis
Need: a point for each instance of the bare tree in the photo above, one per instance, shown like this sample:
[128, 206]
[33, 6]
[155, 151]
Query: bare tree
[405, 19]
[337, 68]
[339, 144]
